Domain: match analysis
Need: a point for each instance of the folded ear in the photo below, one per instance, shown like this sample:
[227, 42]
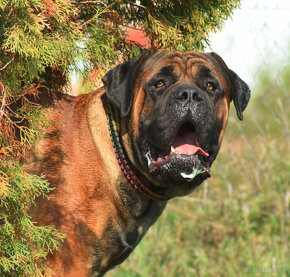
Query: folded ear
[119, 82]
[240, 92]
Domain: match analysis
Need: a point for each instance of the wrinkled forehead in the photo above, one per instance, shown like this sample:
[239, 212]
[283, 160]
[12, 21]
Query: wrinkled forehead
[188, 64]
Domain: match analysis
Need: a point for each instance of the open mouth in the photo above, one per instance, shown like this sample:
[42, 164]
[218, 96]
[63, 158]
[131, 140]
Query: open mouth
[184, 146]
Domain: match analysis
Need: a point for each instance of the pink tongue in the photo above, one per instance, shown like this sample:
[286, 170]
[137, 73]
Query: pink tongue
[186, 143]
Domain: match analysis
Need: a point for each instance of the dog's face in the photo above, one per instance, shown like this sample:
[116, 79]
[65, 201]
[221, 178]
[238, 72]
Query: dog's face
[176, 106]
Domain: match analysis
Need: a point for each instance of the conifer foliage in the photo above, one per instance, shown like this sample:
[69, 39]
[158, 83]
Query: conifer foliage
[41, 43]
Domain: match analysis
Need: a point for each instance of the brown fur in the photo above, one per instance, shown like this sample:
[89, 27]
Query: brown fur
[75, 158]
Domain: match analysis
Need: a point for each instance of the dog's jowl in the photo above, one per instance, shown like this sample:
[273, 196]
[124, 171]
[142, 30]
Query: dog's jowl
[117, 155]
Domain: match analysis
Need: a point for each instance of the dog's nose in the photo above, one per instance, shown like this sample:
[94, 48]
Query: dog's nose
[189, 95]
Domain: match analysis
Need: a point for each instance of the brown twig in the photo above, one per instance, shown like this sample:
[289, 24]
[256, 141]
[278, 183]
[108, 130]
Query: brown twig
[88, 2]
[7, 17]
[2, 68]
[3, 105]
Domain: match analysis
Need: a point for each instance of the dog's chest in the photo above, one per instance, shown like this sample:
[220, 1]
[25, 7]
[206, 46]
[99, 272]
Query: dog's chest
[120, 238]
[115, 246]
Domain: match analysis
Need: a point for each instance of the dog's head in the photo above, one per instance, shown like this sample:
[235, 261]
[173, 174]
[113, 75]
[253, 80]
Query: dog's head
[175, 106]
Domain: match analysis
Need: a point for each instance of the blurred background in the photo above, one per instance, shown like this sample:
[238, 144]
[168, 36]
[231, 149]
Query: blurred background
[237, 223]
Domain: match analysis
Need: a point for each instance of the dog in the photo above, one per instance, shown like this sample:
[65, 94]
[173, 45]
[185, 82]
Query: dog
[117, 155]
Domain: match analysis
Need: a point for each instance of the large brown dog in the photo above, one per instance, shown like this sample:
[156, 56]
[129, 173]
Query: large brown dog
[118, 154]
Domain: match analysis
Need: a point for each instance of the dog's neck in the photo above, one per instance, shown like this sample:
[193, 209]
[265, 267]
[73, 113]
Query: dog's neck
[124, 162]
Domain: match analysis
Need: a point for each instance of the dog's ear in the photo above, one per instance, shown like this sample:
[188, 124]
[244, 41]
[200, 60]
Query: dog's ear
[240, 92]
[119, 82]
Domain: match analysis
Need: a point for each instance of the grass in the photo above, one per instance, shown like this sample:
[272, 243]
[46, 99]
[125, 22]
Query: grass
[237, 223]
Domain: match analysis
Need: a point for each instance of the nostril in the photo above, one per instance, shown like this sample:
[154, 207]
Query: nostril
[188, 95]
[182, 95]
[196, 96]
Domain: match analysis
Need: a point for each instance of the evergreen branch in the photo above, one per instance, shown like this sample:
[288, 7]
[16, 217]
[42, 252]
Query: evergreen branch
[105, 10]
[2, 68]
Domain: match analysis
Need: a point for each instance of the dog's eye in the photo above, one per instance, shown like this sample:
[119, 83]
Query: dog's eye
[159, 84]
[210, 86]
